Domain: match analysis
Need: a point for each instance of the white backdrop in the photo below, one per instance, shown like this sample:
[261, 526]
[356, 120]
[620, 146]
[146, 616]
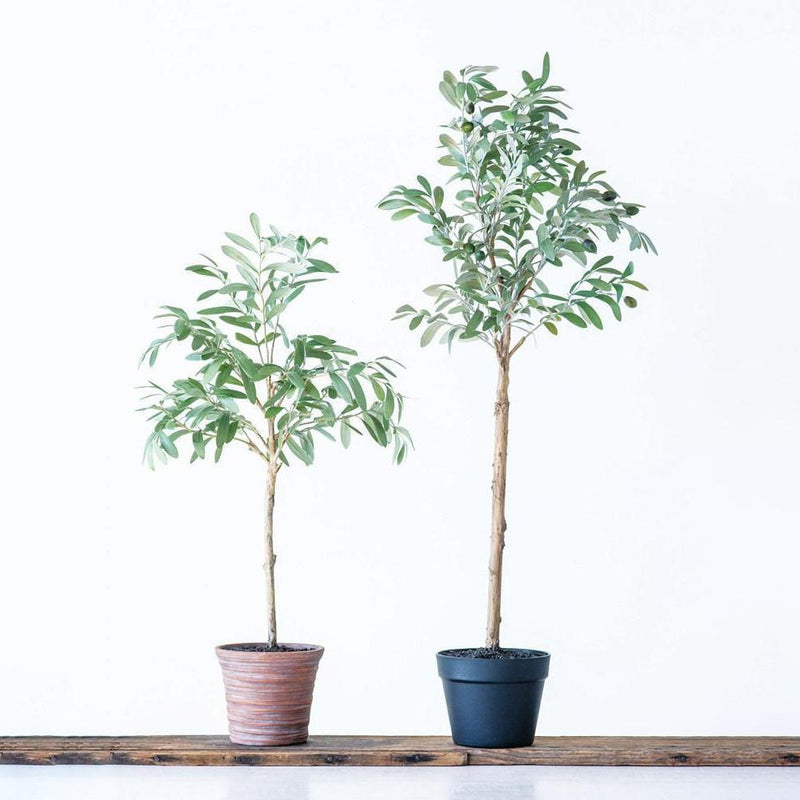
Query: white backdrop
[653, 520]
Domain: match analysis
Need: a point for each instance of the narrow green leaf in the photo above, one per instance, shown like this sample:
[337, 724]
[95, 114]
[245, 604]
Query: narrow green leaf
[298, 450]
[592, 315]
[201, 269]
[249, 389]
[358, 391]
[242, 242]
[167, 444]
[612, 304]
[388, 403]
[182, 329]
[222, 431]
[374, 427]
[199, 444]
[474, 321]
[429, 333]
[240, 322]
[392, 203]
[342, 389]
[601, 262]
[240, 337]
[238, 256]
[573, 318]
[218, 310]
[321, 266]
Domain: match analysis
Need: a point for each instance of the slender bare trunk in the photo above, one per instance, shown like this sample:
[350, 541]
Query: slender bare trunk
[269, 556]
[497, 542]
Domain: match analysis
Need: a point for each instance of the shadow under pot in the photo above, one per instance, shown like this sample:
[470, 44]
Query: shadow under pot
[268, 692]
[493, 698]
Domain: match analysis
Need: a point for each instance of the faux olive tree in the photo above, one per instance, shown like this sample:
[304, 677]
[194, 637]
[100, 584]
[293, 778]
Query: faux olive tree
[521, 233]
[256, 385]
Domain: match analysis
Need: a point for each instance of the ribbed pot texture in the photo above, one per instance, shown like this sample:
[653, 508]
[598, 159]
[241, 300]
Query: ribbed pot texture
[268, 694]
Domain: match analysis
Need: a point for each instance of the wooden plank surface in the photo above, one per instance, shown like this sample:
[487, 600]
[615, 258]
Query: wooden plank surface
[403, 751]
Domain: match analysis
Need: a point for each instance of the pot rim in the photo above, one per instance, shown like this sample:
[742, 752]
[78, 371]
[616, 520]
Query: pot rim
[231, 647]
[448, 653]
[469, 669]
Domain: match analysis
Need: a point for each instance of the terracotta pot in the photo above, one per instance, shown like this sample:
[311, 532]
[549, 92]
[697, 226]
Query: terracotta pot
[268, 694]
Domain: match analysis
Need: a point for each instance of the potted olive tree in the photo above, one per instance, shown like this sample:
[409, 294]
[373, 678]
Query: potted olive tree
[274, 393]
[521, 232]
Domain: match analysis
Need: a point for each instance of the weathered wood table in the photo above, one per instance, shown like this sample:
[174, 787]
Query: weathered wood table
[639, 751]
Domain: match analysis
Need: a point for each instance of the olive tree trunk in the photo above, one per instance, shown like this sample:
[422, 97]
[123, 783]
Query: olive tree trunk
[498, 536]
[269, 555]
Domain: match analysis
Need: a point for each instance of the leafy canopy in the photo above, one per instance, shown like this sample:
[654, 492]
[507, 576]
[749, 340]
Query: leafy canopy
[256, 385]
[524, 207]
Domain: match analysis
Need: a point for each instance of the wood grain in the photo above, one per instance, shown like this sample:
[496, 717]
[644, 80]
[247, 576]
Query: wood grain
[643, 751]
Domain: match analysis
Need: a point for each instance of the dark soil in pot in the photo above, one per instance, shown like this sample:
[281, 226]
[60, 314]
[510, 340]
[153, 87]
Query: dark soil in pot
[485, 652]
[262, 647]
[493, 696]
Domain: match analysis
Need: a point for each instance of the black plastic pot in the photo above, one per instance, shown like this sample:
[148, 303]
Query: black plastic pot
[493, 702]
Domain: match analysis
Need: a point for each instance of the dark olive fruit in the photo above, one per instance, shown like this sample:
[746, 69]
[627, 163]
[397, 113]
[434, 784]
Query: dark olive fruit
[470, 108]
[469, 247]
[630, 301]
[567, 152]
[589, 246]
[467, 126]
[609, 196]
[631, 211]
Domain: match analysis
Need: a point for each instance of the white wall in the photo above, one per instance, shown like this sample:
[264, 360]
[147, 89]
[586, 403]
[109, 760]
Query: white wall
[653, 519]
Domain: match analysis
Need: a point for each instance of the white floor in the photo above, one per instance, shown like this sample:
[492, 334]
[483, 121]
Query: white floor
[402, 783]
